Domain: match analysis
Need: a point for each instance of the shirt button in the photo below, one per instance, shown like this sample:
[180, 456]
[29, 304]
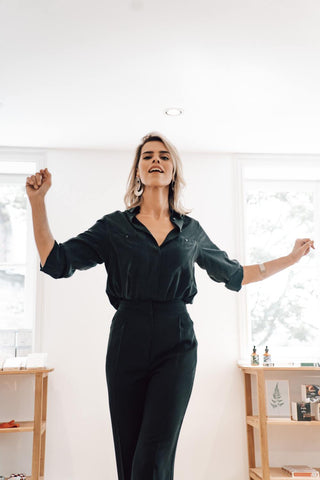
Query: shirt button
[186, 239]
[127, 236]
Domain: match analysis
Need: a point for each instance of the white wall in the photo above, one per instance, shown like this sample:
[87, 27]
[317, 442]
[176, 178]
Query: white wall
[75, 326]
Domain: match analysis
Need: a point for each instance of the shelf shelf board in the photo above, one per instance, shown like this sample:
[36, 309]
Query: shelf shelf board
[253, 421]
[251, 369]
[24, 427]
[26, 371]
[275, 473]
[29, 478]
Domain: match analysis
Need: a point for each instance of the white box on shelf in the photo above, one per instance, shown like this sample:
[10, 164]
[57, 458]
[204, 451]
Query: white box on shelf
[13, 363]
[37, 360]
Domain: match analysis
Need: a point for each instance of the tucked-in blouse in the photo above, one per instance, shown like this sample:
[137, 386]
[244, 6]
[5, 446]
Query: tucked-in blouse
[137, 267]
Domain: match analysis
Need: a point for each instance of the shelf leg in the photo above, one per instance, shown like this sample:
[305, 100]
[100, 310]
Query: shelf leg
[250, 429]
[44, 421]
[263, 425]
[38, 413]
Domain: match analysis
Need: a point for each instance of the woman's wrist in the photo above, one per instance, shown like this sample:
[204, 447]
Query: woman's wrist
[292, 258]
[36, 200]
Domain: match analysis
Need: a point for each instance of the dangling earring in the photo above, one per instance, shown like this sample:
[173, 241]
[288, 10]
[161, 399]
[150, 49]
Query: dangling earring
[172, 184]
[138, 189]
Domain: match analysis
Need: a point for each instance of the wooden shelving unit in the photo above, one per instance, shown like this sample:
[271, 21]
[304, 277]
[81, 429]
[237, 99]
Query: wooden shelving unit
[38, 425]
[275, 474]
[261, 422]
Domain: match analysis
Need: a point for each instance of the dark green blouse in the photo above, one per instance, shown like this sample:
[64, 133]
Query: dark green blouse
[137, 268]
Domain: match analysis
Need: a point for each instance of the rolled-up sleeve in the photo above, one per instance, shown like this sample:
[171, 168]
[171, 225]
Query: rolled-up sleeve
[216, 262]
[82, 252]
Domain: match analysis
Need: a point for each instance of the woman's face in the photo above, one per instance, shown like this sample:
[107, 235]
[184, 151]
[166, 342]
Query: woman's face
[154, 157]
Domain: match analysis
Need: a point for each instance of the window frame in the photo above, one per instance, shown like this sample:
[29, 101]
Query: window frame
[34, 306]
[240, 162]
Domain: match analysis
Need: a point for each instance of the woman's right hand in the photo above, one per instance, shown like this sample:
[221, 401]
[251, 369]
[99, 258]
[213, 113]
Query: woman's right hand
[37, 185]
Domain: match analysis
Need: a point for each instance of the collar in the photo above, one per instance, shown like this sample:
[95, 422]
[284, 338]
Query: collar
[175, 217]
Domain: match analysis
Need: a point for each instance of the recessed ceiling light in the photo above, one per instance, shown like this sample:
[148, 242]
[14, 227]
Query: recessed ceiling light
[173, 112]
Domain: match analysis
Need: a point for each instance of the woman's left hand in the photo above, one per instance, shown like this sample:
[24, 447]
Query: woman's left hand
[301, 247]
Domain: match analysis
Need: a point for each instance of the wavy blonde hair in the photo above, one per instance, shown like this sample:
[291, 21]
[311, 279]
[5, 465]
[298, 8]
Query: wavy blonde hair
[131, 200]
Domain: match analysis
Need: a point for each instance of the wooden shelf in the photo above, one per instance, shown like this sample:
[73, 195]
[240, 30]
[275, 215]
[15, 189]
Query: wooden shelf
[28, 478]
[275, 474]
[26, 371]
[38, 425]
[24, 427]
[261, 422]
[253, 421]
[258, 368]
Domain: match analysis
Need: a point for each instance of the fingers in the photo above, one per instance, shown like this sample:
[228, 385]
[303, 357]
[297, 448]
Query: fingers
[301, 242]
[309, 244]
[306, 244]
[302, 247]
[38, 178]
[35, 181]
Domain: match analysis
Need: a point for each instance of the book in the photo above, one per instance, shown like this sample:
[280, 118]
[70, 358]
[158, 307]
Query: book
[310, 393]
[300, 471]
[315, 409]
[309, 364]
[301, 411]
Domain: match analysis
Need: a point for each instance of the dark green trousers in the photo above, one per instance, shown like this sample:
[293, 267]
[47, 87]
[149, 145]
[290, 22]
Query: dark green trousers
[150, 368]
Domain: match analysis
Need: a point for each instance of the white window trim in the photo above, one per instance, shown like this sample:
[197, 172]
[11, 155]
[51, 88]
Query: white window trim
[34, 282]
[239, 163]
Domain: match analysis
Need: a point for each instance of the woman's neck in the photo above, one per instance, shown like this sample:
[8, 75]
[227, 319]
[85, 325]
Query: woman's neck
[155, 203]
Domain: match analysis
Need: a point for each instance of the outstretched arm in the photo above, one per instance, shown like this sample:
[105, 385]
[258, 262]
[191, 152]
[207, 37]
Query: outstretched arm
[36, 187]
[256, 273]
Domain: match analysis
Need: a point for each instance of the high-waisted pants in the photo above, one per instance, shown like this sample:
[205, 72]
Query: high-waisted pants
[150, 368]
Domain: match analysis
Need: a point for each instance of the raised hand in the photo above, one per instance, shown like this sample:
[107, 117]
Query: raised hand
[301, 247]
[38, 184]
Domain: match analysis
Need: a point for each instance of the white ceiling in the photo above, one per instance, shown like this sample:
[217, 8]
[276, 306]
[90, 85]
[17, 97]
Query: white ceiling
[99, 73]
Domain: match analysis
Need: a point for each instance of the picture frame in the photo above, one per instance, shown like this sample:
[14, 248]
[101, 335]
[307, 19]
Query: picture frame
[278, 399]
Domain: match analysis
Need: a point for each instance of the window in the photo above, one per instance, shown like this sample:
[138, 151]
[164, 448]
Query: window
[281, 202]
[17, 257]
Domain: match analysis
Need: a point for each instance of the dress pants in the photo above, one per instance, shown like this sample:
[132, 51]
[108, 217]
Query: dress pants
[150, 368]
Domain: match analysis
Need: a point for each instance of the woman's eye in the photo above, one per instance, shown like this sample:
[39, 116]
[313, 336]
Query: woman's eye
[165, 158]
[146, 158]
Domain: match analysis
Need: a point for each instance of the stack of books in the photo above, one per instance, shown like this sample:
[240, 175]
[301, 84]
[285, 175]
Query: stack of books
[301, 471]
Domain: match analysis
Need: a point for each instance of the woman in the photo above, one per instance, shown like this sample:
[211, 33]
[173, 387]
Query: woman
[149, 251]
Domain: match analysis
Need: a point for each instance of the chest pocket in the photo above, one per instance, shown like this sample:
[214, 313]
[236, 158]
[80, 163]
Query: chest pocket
[186, 242]
[126, 240]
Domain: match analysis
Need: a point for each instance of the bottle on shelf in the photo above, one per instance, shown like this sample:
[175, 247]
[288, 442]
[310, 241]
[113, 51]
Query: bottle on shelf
[266, 357]
[254, 356]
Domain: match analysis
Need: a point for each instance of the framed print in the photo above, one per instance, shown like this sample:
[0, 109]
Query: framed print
[278, 399]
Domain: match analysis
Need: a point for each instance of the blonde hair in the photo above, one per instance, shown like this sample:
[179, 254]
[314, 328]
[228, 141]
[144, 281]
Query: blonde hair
[131, 200]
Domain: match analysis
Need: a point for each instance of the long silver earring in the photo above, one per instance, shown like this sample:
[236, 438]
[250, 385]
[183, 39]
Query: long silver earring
[138, 189]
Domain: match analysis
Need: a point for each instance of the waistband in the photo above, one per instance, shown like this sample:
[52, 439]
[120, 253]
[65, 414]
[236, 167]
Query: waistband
[173, 305]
